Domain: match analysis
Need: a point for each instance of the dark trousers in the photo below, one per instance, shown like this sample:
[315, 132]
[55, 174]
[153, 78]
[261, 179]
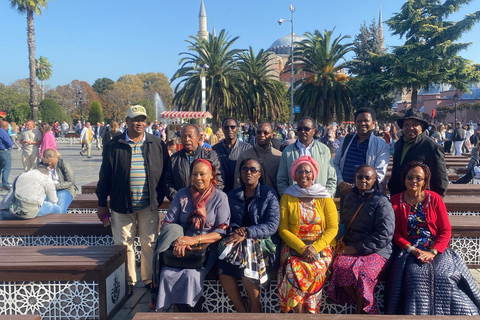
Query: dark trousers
[5, 166]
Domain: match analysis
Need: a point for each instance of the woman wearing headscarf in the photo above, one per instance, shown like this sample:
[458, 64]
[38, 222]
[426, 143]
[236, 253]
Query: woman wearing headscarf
[308, 226]
[198, 215]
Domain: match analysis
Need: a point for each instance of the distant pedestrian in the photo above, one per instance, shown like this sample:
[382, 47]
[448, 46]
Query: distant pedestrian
[86, 140]
[5, 156]
[31, 140]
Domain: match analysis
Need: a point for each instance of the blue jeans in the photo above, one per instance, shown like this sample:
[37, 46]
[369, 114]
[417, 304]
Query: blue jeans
[64, 200]
[5, 166]
[46, 208]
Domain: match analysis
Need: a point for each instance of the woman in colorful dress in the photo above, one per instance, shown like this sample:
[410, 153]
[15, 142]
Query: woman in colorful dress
[308, 226]
[368, 243]
[427, 277]
[255, 215]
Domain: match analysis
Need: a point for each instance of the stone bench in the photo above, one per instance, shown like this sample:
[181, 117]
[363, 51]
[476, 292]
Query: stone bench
[80, 282]
[26, 317]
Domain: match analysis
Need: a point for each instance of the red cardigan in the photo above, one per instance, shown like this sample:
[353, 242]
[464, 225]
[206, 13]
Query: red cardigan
[435, 214]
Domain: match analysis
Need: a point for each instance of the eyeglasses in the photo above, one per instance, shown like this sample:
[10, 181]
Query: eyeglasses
[251, 169]
[229, 127]
[305, 172]
[418, 179]
[306, 129]
[361, 177]
[266, 133]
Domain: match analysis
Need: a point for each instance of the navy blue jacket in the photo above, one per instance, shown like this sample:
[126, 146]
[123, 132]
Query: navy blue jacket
[264, 211]
[372, 230]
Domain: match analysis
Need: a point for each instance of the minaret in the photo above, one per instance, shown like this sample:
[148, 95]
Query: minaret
[214, 32]
[202, 20]
[380, 27]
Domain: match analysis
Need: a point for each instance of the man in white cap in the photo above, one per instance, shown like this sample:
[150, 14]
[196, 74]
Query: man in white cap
[132, 165]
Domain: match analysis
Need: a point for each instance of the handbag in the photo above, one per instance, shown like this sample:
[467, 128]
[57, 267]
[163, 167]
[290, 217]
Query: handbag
[340, 244]
[193, 259]
[21, 207]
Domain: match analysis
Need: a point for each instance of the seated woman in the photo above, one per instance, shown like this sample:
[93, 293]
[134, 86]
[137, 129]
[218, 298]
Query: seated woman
[427, 277]
[255, 215]
[368, 243]
[198, 215]
[34, 195]
[474, 161]
[62, 176]
[308, 226]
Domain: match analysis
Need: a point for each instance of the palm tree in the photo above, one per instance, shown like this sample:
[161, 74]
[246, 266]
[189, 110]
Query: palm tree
[43, 71]
[325, 93]
[31, 7]
[261, 93]
[221, 75]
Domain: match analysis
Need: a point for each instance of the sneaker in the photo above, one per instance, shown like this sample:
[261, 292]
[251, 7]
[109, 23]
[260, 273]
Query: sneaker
[7, 188]
[81, 153]
[130, 290]
[89, 157]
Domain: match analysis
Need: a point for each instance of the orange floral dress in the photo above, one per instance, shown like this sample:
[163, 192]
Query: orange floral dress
[298, 280]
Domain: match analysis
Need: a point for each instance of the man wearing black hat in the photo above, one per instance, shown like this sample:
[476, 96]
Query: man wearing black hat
[416, 145]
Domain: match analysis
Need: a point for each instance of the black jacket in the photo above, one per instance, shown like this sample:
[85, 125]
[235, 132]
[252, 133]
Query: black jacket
[372, 230]
[228, 161]
[425, 150]
[114, 177]
[177, 172]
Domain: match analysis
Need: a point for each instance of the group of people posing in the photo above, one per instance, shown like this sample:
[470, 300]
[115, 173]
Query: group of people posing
[249, 212]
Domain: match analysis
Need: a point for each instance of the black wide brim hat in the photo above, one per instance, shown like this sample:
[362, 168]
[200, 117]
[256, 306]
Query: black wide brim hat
[413, 114]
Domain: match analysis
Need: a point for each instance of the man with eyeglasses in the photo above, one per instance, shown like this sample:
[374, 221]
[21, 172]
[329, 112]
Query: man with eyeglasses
[362, 147]
[416, 145]
[265, 154]
[307, 146]
[228, 151]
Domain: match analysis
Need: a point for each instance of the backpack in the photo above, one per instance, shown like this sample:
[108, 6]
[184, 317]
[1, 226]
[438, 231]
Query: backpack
[23, 208]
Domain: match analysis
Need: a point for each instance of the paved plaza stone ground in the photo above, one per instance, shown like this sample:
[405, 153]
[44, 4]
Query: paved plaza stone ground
[86, 171]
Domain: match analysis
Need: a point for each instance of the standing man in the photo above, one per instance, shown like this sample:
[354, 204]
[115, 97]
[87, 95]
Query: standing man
[78, 127]
[177, 174]
[360, 148]
[86, 139]
[31, 140]
[5, 156]
[132, 165]
[307, 146]
[64, 126]
[416, 145]
[228, 151]
[459, 138]
[265, 153]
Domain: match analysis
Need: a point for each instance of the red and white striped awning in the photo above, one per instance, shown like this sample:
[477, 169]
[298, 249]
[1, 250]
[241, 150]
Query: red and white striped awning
[186, 114]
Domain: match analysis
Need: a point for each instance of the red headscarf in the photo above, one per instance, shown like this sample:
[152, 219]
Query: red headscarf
[199, 215]
[308, 160]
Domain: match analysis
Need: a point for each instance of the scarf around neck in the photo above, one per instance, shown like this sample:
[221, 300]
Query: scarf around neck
[315, 191]
[199, 215]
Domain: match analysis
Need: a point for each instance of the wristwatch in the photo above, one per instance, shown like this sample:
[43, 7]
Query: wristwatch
[434, 251]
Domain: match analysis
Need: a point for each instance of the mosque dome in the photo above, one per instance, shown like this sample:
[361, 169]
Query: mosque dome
[282, 45]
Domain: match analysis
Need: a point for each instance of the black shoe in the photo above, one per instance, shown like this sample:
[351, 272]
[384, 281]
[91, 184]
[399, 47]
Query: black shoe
[81, 153]
[88, 157]
[130, 290]
[6, 188]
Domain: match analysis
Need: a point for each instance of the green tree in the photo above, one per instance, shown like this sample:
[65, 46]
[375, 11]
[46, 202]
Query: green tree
[157, 82]
[261, 94]
[43, 72]
[325, 94]
[31, 7]
[430, 53]
[102, 84]
[20, 113]
[95, 113]
[222, 76]
[369, 87]
[50, 110]
[12, 95]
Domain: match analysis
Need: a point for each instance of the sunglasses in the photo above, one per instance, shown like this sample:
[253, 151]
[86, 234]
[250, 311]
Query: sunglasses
[251, 169]
[305, 172]
[229, 127]
[418, 179]
[306, 129]
[361, 177]
[266, 133]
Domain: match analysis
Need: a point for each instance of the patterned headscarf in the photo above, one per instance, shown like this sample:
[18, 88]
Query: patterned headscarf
[308, 160]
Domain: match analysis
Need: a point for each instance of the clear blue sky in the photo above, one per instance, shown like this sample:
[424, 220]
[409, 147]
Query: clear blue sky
[91, 39]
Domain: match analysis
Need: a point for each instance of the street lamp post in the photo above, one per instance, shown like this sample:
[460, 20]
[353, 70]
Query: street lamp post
[292, 10]
[455, 97]
[79, 102]
[204, 89]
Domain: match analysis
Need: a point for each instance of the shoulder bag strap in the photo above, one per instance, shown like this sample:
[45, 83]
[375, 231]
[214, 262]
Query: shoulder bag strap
[354, 216]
